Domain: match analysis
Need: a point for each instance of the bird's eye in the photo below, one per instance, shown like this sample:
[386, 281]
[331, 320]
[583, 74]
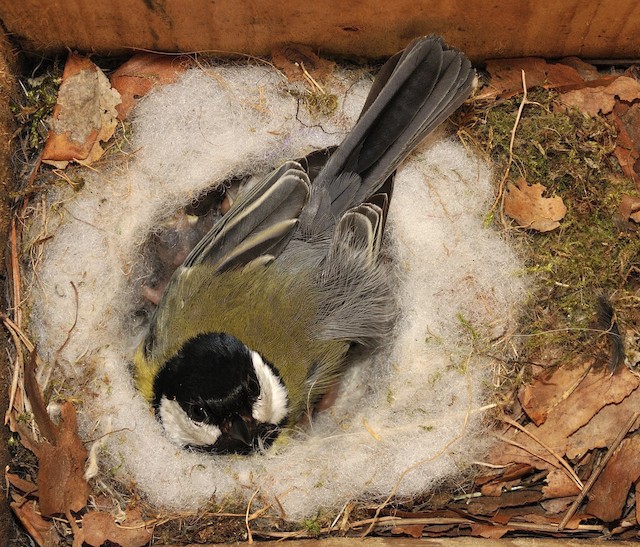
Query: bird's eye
[197, 413]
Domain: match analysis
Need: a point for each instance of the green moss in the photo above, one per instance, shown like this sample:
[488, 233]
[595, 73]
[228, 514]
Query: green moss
[35, 105]
[571, 155]
[318, 103]
[312, 526]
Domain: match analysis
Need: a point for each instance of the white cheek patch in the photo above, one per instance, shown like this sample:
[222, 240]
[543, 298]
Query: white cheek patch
[272, 404]
[182, 430]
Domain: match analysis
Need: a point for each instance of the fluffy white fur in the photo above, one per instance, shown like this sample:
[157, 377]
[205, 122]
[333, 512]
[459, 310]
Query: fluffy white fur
[272, 404]
[408, 418]
[182, 430]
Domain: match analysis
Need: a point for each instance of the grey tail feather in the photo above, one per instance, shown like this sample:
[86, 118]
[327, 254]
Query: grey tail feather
[414, 92]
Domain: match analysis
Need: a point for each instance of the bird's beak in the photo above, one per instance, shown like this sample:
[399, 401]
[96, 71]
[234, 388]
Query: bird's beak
[239, 430]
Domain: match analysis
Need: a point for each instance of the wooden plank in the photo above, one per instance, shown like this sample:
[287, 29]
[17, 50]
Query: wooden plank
[362, 28]
[443, 542]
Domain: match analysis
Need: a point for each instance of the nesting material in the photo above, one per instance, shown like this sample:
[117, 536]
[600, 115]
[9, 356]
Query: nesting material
[405, 419]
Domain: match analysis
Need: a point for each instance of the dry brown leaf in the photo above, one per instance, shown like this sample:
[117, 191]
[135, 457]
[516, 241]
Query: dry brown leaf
[559, 485]
[99, 527]
[412, 530]
[61, 457]
[637, 485]
[61, 482]
[549, 388]
[84, 114]
[292, 58]
[506, 75]
[507, 474]
[629, 209]
[601, 99]
[516, 498]
[586, 71]
[556, 506]
[140, 74]
[24, 486]
[42, 531]
[489, 531]
[602, 428]
[598, 389]
[627, 150]
[526, 205]
[608, 496]
[493, 489]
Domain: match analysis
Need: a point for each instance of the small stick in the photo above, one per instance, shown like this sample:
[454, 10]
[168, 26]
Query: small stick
[500, 196]
[557, 456]
[246, 517]
[596, 472]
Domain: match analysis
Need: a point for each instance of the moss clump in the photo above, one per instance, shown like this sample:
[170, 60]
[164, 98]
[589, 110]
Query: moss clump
[589, 254]
[34, 106]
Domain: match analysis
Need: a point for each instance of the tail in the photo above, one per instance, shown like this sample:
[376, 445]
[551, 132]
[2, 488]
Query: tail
[415, 91]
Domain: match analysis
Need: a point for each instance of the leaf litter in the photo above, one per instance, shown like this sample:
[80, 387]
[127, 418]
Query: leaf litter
[564, 464]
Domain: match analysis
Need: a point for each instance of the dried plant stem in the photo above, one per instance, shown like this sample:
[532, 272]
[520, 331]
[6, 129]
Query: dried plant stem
[247, 519]
[572, 474]
[499, 201]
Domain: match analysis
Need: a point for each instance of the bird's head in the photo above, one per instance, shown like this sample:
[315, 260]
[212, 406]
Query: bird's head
[217, 394]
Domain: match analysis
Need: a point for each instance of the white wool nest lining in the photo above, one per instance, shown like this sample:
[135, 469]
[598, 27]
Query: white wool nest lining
[406, 419]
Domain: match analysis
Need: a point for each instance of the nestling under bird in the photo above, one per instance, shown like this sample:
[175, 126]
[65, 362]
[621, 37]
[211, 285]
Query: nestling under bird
[258, 323]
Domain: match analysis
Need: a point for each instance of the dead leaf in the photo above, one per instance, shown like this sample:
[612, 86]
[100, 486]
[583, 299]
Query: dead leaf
[61, 482]
[556, 506]
[24, 486]
[140, 74]
[99, 527]
[637, 487]
[525, 204]
[489, 505]
[627, 150]
[42, 531]
[506, 75]
[61, 458]
[84, 114]
[629, 209]
[602, 99]
[586, 71]
[559, 485]
[294, 60]
[549, 388]
[508, 474]
[601, 429]
[489, 531]
[598, 389]
[412, 530]
[608, 496]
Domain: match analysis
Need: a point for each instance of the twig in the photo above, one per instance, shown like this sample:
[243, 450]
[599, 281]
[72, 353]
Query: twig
[560, 459]
[246, 517]
[15, 274]
[75, 529]
[596, 472]
[11, 326]
[75, 322]
[500, 197]
[18, 367]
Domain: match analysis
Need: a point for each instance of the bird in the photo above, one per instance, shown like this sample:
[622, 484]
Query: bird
[265, 314]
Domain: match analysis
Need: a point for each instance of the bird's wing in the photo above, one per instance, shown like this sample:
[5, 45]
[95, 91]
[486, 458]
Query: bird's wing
[258, 226]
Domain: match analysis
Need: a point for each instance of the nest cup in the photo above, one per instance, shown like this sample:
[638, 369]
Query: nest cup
[405, 419]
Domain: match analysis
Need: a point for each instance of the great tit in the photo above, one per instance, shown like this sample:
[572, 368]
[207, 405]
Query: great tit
[257, 324]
